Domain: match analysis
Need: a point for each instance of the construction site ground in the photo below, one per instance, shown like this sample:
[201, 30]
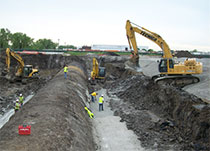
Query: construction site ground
[138, 114]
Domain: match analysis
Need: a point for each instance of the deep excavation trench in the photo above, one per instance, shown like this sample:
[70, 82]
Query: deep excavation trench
[162, 117]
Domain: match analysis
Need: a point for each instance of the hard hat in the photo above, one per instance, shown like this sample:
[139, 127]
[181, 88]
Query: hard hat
[17, 100]
[102, 95]
[20, 94]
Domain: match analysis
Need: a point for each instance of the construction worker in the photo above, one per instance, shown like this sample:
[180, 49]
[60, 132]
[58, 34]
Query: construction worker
[65, 71]
[17, 105]
[89, 113]
[101, 101]
[21, 99]
[93, 96]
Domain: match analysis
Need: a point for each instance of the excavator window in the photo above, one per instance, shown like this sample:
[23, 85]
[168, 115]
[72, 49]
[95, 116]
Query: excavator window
[27, 71]
[102, 71]
[171, 63]
[163, 65]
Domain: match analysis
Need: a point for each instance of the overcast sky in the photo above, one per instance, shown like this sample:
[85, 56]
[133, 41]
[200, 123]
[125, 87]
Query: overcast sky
[183, 24]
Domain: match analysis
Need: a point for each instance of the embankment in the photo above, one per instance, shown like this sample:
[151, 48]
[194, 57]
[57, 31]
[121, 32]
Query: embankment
[56, 115]
[160, 114]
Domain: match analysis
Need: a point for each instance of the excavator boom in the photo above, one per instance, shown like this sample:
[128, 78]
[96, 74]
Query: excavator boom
[16, 57]
[149, 35]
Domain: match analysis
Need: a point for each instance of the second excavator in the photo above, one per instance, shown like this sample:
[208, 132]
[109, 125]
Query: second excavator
[179, 74]
[98, 72]
[23, 71]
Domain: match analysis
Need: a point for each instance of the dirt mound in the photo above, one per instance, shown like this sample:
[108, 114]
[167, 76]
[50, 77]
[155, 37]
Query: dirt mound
[112, 54]
[183, 53]
[162, 117]
[57, 116]
[48, 66]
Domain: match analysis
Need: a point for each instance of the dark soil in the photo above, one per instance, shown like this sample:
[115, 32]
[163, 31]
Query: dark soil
[163, 117]
[56, 114]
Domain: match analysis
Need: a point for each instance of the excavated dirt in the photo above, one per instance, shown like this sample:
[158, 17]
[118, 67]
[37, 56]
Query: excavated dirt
[48, 66]
[183, 53]
[163, 117]
[56, 114]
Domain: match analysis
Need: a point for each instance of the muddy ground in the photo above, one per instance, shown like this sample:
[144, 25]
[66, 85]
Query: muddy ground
[163, 118]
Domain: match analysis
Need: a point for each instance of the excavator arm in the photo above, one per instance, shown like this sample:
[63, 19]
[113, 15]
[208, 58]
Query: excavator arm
[147, 34]
[132, 42]
[18, 58]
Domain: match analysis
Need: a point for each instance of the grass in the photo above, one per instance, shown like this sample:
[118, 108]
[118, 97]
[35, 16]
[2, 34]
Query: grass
[80, 53]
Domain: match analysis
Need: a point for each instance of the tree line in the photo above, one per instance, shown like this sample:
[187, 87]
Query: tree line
[20, 40]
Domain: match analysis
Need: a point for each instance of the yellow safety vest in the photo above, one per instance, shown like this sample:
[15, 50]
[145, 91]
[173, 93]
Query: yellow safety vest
[21, 99]
[101, 100]
[17, 106]
[65, 69]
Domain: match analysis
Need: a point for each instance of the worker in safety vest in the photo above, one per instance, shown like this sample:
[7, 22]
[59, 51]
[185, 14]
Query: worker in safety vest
[89, 112]
[21, 99]
[17, 105]
[93, 96]
[65, 71]
[101, 101]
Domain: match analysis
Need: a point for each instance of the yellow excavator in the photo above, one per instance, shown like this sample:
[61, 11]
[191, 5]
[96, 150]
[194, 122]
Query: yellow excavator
[98, 72]
[179, 74]
[23, 72]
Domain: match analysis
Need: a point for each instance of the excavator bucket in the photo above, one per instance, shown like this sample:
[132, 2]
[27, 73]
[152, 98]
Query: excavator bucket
[133, 64]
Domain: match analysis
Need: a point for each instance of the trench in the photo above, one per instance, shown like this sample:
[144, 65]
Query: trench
[7, 115]
[157, 117]
[109, 133]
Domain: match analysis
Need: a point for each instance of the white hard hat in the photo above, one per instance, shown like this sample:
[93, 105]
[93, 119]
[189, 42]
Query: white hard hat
[17, 100]
[20, 94]
[102, 95]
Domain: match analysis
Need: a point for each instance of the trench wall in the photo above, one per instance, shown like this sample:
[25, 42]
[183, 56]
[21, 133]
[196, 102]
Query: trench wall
[189, 114]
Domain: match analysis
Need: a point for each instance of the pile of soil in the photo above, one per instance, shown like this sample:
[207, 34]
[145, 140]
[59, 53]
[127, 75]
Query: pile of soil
[56, 114]
[163, 117]
[48, 66]
[183, 53]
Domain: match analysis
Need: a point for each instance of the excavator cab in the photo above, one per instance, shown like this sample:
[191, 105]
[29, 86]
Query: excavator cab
[27, 70]
[102, 71]
[165, 64]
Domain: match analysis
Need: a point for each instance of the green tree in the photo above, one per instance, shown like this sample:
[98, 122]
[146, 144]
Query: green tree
[21, 41]
[195, 50]
[144, 49]
[44, 44]
[67, 47]
[4, 38]
[150, 50]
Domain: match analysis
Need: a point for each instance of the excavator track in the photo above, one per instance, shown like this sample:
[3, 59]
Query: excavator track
[176, 80]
